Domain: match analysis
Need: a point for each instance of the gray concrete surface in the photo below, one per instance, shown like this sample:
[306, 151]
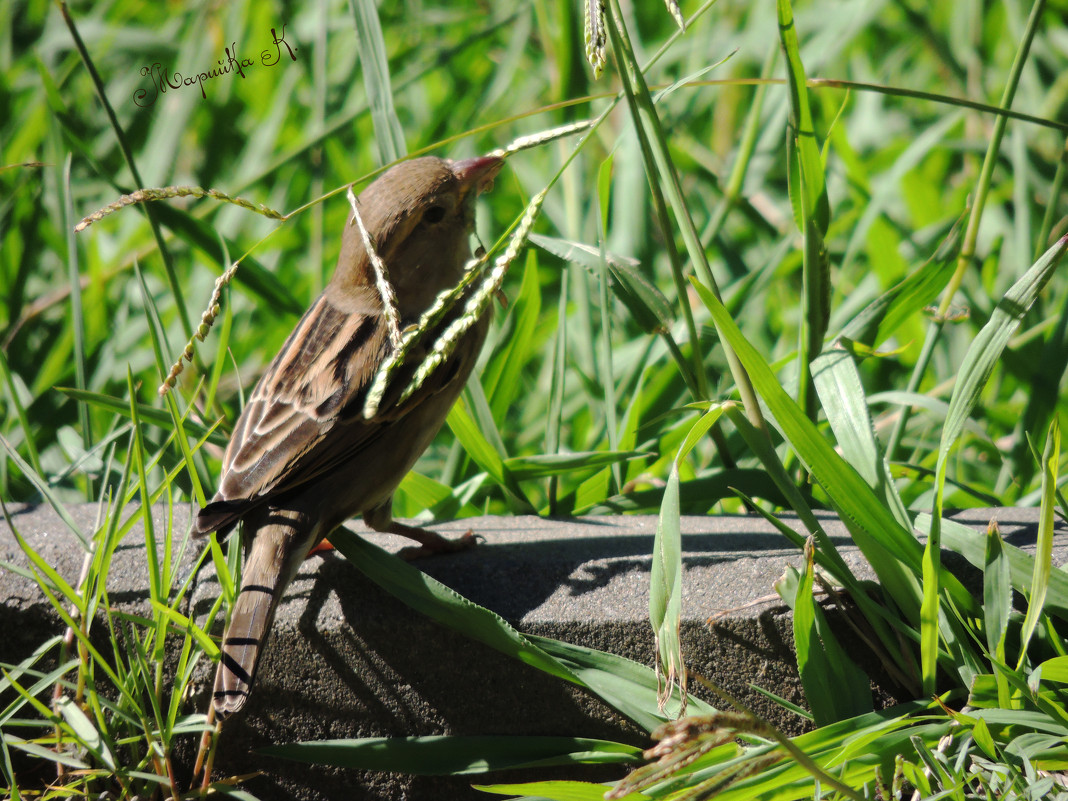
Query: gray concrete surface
[348, 660]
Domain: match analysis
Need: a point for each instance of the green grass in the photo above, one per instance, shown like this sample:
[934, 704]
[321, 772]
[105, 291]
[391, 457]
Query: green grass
[811, 249]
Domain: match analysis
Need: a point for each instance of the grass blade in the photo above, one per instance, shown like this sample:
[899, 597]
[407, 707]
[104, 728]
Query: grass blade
[1036, 599]
[389, 136]
[983, 354]
[808, 191]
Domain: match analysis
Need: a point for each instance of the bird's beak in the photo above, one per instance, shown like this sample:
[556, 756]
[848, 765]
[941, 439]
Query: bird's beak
[477, 173]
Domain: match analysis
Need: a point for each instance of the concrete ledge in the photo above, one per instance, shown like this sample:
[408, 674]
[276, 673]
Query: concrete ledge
[347, 660]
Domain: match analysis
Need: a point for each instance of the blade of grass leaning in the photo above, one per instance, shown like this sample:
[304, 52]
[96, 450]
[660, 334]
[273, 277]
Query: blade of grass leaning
[34, 700]
[663, 177]
[46, 754]
[580, 253]
[982, 356]
[997, 603]
[227, 567]
[665, 580]
[43, 573]
[454, 754]
[1048, 713]
[890, 630]
[60, 609]
[764, 450]
[183, 623]
[789, 706]
[841, 395]
[893, 552]
[1044, 546]
[418, 492]
[885, 544]
[612, 676]
[808, 191]
[825, 561]
[99, 457]
[1055, 669]
[428, 499]
[9, 770]
[446, 606]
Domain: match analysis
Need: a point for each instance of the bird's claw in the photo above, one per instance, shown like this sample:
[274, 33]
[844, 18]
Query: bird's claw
[440, 545]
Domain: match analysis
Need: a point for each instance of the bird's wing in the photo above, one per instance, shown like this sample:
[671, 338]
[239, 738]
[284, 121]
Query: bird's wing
[304, 417]
[327, 362]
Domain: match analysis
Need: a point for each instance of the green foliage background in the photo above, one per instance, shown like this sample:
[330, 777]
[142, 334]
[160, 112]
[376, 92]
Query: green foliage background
[598, 390]
[464, 80]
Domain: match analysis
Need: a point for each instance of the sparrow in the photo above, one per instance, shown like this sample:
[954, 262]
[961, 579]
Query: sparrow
[303, 458]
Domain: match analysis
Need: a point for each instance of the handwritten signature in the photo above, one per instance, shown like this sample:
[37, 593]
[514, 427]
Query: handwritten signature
[163, 79]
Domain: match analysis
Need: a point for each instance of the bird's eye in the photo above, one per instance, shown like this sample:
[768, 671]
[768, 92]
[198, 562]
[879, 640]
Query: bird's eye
[434, 214]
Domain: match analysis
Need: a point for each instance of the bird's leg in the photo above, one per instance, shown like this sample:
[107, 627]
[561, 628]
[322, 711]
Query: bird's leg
[430, 541]
[380, 518]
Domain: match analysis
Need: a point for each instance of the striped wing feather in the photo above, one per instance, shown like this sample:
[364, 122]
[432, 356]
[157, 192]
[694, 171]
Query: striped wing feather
[303, 418]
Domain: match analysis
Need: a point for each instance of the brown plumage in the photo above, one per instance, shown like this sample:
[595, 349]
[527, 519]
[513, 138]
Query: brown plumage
[302, 458]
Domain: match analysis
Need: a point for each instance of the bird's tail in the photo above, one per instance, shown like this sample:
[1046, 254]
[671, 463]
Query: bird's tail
[277, 547]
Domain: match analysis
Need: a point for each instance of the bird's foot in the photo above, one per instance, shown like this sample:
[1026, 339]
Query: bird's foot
[431, 543]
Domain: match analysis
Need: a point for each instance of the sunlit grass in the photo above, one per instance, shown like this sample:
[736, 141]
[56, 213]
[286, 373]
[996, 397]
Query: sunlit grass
[771, 183]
